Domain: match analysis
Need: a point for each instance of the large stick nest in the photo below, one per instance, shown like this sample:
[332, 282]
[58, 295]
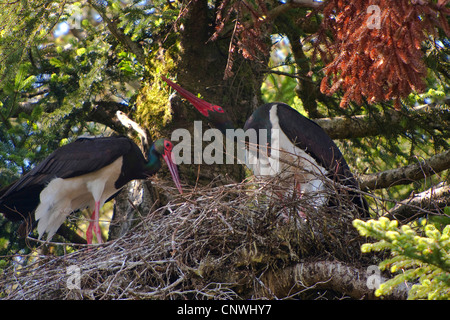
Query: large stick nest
[211, 243]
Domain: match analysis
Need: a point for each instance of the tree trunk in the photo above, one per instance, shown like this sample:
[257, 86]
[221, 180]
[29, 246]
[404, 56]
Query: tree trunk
[201, 69]
[134, 199]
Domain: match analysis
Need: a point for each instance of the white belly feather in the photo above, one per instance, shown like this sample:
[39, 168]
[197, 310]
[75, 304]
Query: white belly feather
[61, 197]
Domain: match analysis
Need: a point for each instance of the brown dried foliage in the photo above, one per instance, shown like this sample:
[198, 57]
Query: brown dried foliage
[377, 63]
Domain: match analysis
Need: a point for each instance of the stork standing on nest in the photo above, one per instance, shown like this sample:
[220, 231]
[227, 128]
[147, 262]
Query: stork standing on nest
[297, 148]
[82, 174]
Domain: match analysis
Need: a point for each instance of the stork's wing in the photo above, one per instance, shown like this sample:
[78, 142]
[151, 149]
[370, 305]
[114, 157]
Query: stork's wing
[309, 136]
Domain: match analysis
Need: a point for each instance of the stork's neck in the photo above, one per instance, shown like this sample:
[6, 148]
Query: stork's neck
[223, 126]
[221, 122]
[154, 163]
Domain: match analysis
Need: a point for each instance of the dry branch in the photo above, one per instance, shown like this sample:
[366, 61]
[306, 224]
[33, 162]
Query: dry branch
[130, 124]
[407, 174]
[377, 57]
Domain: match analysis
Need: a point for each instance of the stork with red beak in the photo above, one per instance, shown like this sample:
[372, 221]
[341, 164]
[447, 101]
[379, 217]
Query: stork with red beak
[83, 174]
[304, 151]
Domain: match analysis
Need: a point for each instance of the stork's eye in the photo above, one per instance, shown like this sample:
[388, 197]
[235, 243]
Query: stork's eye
[218, 109]
[168, 145]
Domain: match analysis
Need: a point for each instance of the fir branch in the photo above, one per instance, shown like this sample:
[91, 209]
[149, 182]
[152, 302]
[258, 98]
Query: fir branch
[119, 35]
[419, 255]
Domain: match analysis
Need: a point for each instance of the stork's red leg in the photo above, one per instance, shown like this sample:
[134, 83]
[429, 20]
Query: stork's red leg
[94, 225]
[97, 230]
[89, 235]
[298, 188]
[299, 195]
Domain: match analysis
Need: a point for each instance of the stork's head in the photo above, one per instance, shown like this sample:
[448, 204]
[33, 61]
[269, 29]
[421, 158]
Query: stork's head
[163, 148]
[216, 114]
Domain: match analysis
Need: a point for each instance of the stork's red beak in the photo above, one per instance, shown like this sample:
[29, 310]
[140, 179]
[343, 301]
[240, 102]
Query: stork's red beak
[202, 106]
[169, 158]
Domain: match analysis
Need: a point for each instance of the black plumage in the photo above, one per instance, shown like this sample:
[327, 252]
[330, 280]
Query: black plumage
[83, 156]
[304, 138]
[78, 159]
[313, 140]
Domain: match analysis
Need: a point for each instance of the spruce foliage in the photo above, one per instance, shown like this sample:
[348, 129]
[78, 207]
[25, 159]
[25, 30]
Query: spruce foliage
[420, 256]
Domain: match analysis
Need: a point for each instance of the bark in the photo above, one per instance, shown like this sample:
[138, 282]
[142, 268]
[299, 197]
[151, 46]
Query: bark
[392, 121]
[200, 69]
[432, 200]
[202, 65]
[325, 275]
[306, 90]
[135, 200]
[407, 174]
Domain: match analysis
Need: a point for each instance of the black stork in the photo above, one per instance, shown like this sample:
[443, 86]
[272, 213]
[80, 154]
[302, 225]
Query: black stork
[305, 151]
[83, 174]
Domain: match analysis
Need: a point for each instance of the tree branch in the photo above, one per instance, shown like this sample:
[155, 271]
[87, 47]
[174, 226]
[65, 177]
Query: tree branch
[325, 275]
[397, 121]
[282, 8]
[307, 3]
[307, 91]
[119, 35]
[407, 174]
[104, 112]
[431, 200]
[130, 124]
